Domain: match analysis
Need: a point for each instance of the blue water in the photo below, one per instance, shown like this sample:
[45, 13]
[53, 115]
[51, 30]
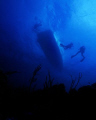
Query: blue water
[22, 50]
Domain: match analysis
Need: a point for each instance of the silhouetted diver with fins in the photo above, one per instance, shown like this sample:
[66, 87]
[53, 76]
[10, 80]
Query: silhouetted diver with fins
[81, 50]
[69, 46]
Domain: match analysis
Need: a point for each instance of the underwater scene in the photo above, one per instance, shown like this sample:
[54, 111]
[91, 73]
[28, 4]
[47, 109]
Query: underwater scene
[47, 59]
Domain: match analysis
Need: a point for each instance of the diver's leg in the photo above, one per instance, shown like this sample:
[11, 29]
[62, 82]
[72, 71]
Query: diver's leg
[83, 57]
[63, 46]
[75, 54]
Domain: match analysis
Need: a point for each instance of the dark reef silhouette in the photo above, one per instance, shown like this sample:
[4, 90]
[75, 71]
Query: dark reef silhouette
[50, 102]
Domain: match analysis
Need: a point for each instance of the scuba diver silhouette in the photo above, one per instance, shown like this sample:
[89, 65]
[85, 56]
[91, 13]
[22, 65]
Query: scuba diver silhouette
[69, 46]
[37, 24]
[81, 50]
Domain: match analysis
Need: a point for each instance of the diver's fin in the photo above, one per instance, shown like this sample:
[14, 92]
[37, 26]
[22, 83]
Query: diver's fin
[72, 56]
[82, 59]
